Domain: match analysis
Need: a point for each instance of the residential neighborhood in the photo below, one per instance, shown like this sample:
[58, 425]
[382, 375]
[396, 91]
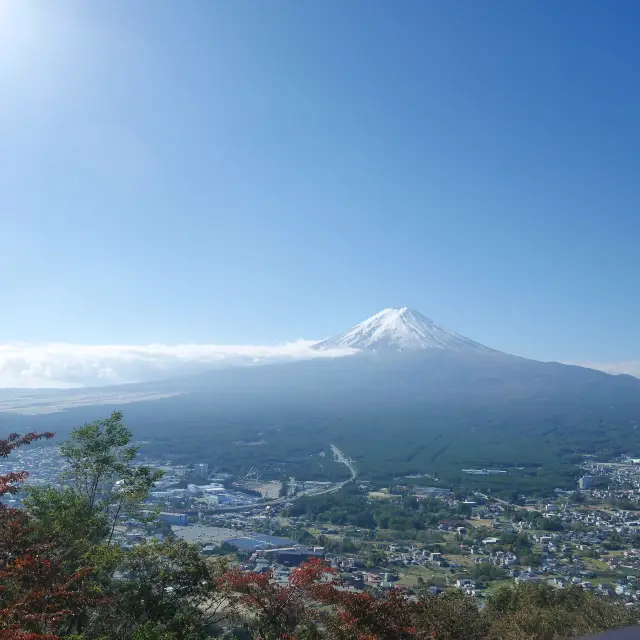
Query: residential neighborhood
[469, 541]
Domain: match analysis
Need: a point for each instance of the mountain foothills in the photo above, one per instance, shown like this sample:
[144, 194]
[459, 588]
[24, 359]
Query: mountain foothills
[413, 398]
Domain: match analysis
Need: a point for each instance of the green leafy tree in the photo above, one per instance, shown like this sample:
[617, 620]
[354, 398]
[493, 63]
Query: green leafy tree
[163, 590]
[62, 512]
[102, 470]
[541, 612]
[530, 560]
[485, 572]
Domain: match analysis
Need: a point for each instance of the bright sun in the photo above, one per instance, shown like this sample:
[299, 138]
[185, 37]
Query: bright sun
[23, 34]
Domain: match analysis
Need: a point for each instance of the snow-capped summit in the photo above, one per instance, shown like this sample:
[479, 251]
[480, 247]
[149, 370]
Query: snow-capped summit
[400, 329]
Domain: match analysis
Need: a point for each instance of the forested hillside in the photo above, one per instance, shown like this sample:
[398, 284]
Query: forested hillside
[434, 413]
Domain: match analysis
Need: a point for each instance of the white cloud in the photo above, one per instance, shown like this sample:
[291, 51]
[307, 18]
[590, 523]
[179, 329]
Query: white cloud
[632, 367]
[74, 365]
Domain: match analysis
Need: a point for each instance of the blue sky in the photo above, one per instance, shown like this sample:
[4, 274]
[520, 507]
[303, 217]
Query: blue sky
[256, 172]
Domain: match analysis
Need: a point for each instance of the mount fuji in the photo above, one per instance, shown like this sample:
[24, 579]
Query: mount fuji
[400, 329]
[400, 394]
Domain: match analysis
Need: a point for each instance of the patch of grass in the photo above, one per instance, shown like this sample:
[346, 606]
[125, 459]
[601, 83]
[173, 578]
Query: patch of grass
[494, 586]
[480, 522]
[593, 564]
[408, 576]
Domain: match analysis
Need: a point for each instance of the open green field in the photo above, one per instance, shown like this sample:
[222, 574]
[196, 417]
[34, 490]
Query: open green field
[409, 576]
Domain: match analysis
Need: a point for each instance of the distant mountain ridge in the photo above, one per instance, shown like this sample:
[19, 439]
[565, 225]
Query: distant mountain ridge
[401, 329]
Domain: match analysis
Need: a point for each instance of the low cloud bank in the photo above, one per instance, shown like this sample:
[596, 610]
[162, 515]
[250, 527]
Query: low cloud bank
[61, 366]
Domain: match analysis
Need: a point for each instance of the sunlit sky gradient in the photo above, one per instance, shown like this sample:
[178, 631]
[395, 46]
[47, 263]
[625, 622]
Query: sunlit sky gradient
[258, 172]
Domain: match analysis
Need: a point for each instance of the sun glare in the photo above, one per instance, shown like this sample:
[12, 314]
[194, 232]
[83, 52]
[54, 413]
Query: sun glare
[5, 9]
[16, 27]
[29, 40]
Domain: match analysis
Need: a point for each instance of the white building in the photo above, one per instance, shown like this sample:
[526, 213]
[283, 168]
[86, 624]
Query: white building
[201, 470]
[586, 482]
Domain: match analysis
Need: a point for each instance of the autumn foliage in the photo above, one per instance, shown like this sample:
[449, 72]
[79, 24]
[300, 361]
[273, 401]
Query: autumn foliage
[315, 604]
[37, 598]
[275, 611]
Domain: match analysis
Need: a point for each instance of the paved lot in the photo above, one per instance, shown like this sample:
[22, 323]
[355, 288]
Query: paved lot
[205, 535]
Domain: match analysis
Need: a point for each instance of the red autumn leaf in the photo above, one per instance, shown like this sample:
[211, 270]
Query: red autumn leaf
[36, 596]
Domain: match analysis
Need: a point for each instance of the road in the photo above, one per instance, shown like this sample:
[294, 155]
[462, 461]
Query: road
[504, 502]
[338, 456]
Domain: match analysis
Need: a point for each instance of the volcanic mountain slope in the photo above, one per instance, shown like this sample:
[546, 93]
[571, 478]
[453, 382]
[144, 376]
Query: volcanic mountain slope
[413, 397]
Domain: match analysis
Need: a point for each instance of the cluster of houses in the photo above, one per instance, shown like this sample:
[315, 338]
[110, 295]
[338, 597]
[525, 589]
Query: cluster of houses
[591, 545]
